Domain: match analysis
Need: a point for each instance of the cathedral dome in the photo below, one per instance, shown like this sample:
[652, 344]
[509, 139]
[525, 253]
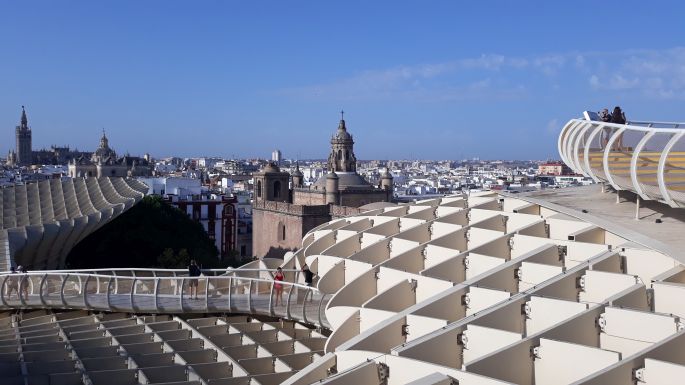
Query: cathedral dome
[104, 151]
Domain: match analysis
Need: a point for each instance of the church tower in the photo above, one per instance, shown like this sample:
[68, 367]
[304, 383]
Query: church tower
[23, 132]
[342, 157]
[271, 184]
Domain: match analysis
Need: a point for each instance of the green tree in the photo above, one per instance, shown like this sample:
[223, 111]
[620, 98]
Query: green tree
[151, 234]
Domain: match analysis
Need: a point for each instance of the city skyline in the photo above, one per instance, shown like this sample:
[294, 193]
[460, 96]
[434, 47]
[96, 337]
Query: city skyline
[246, 80]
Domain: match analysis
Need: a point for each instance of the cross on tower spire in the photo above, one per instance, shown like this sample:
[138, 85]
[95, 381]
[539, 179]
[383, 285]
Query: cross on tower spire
[342, 114]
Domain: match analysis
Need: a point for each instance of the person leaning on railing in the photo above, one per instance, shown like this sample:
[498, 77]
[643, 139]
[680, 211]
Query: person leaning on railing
[308, 278]
[618, 117]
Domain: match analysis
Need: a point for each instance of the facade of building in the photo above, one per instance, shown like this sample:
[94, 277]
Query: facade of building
[282, 214]
[553, 168]
[104, 162]
[276, 157]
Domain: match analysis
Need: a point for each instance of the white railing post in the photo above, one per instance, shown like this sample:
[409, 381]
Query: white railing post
[133, 292]
[319, 312]
[586, 155]
[230, 293]
[287, 306]
[633, 165]
[109, 290]
[249, 296]
[3, 287]
[304, 305]
[40, 293]
[661, 169]
[207, 294]
[156, 291]
[605, 160]
[180, 293]
[271, 299]
[85, 292]
[61, 290]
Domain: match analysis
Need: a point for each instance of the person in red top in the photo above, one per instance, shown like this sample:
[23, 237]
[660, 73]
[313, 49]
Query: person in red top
[278, 287]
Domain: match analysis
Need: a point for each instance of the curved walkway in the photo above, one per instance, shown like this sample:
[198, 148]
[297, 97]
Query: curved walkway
[165, 292]
[647, 158]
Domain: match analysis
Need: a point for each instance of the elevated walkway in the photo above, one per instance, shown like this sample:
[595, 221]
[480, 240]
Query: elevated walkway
[165, 292]
[646, 158]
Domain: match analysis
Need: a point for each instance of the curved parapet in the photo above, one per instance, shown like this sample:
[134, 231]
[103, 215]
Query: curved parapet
[41, 222]
[647, 158]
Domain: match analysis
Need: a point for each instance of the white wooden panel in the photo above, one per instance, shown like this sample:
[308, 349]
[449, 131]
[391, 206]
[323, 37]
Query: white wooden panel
[478, 237]
[600, 285]
[421, 325]
[483, 340]
[344, 234]
[662, 373]
[400, 246]
[564, 363]
[668, 298]
[447, 210]
[629, 331]
[479, 264]
[482, 298]
[369, 239]
[440, 228]
[546, 312]
[371, 317]
[408, 223]
[534, 273]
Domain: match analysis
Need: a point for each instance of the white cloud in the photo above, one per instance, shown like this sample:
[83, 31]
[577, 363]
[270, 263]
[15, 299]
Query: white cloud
[649, 73]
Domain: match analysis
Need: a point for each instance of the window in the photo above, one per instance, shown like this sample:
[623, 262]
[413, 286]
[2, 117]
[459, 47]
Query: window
[259, 189]
[281, 232]
[243, 250]
[277, 189]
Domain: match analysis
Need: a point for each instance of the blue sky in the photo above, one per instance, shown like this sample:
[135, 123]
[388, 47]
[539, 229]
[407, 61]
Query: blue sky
[431, 80]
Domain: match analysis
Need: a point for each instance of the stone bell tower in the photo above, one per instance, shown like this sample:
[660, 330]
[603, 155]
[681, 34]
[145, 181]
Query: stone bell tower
[23, 133]
[342, 157]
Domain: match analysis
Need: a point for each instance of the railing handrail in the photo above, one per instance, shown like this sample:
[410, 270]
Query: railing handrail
[125, 277]
[227, 270]
[630, 125]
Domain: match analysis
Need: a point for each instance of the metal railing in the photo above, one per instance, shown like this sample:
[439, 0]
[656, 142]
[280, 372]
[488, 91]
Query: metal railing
[164, 294]
[647, 158]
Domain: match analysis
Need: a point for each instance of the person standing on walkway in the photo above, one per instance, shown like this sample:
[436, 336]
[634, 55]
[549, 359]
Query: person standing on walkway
[12, 283]
[193, 272]
[278, 286]
[308, 278]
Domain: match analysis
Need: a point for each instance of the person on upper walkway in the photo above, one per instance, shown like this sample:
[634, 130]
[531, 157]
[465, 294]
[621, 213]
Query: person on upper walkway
[618, 116]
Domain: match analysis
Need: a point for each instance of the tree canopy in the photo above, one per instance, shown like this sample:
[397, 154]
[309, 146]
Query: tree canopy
[151, 234]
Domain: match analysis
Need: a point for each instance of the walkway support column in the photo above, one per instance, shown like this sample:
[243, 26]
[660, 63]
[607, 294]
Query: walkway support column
[637, 207]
